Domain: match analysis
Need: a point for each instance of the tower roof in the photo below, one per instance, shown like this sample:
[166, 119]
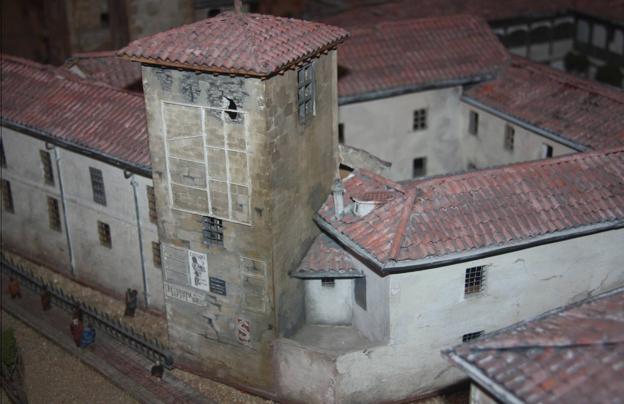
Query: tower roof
[236, 43]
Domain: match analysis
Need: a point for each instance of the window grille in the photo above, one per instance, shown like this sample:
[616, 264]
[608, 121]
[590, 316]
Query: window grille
[474, 280]
[306, 89]
[510, 133]
[151, 203]
[54, 214]
[104, 234]
[46, 163]
[328, 282]
[473, 123]
[7, 197]
[472, 336]
[156, 254]
[97, 184]
[212, 230]
[419, 167]
[420, 119]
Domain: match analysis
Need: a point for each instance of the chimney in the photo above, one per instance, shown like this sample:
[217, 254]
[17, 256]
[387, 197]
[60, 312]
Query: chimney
[238, 6]
[338, 193]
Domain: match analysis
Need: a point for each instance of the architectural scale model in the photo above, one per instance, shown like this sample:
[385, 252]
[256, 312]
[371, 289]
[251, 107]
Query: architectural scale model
[217, 194]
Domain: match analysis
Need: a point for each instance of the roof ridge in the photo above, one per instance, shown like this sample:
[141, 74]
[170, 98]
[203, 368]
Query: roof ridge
[402, 226]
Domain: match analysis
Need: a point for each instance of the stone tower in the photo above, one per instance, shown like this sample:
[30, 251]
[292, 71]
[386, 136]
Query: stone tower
[242, 119]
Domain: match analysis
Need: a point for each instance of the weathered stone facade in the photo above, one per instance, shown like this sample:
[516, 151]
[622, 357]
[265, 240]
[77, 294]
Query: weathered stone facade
[231, 151]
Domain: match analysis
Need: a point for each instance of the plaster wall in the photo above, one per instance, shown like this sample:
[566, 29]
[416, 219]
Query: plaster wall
[329, 305]
[384, 128]
[146, 17]
[429, 312]
[486, 148]
[372, 322]
[113, 269]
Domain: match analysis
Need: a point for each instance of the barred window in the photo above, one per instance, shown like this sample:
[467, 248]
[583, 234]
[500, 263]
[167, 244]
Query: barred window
[420, 119]
[475, 280]
[151, 203]
[328, 282]
[97, 184]
[104, 234]
[2, 156]
[156, 254]
[509, 137]
[46, 164]
[7, 196]
[473, 123]
[472, 336]
[306, 89]
[54, 214]
[212, 230]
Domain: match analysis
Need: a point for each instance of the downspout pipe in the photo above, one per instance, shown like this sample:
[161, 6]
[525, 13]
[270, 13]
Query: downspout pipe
[135, 184]
[70, 250]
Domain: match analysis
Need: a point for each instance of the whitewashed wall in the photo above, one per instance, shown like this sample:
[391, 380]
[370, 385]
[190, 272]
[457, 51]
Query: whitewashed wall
[384, 127]
[27, 231]
[328, 305]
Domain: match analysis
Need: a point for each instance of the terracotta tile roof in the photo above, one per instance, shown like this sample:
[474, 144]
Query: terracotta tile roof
[433, 219]
[574, 354]
[249, 44]
[106, 67]
[87, 115]
[584, 112]
[418, 53]
[325, 258]
[490, 10]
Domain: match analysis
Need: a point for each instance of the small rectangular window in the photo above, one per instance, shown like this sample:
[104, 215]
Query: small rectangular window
[360, 292]
[3, 163]
[156, 254]
[419, 167]
[420, 119]
[510, 133]
[472, 336]
[54, 214]
[151, 203]
[547, 151]
[97, 184]
[104, 234]
[473, 123]
[306, 92]
[341, 138]
[46, 164]
[7, 197]
[475, 280]
[328, 282]
[212, 230]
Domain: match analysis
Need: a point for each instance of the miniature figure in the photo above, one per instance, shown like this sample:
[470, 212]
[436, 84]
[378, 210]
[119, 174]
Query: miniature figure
[14, 288]
[132, 302]
[88, 336]
[77, 312]
[158, 370]
[76, 328]
[46, 299]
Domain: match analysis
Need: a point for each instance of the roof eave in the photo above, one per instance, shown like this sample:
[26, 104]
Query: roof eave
[326, 274]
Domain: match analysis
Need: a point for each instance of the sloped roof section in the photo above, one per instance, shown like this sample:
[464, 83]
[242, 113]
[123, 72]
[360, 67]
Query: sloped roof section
[417, 53]
[93, 117]
[574, 354]
[433, 219]
[589, 114]
[105, 67]
[237, 43]
[325, 258]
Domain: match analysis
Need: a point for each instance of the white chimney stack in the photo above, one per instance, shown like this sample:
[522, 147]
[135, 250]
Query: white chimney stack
[338, 193]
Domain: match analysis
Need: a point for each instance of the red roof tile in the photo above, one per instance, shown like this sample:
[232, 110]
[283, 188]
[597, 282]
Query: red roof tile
[443, 216]
[490, 10]
[571, 355]
[107, 68]
[417, 53]
[237, 43]
[585, 112]
[92, 116]
[326, 258]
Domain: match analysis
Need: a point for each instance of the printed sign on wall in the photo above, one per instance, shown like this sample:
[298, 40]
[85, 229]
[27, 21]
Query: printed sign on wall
[243, 331]
[185, 294]
[198, 270]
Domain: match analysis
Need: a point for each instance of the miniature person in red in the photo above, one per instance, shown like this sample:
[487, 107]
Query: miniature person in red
[76, 329]
[14, 288]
